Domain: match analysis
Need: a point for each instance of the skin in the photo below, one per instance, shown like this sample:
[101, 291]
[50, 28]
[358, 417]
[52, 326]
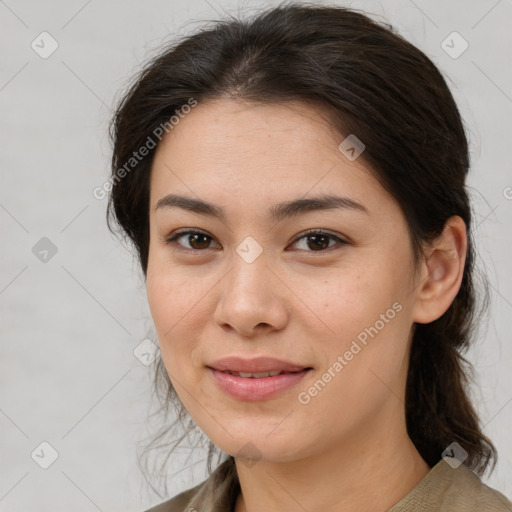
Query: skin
[348, 448]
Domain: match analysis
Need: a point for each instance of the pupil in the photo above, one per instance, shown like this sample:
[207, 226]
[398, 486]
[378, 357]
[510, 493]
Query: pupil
[194, 237]
[316, 238]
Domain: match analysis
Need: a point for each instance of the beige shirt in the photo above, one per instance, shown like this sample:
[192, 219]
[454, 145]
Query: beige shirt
[442, 489]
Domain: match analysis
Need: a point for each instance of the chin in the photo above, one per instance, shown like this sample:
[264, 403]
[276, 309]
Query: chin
[250, 449]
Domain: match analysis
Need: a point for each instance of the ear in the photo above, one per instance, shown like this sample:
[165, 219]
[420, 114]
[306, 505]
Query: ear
[441, 272]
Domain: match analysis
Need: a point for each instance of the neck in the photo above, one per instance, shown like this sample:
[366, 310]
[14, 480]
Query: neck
[363, 472]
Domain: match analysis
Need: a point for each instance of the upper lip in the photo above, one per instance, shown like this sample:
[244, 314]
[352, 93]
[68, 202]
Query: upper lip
[255, 365]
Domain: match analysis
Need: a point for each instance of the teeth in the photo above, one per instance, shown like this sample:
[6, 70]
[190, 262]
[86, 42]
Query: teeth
[257, 375]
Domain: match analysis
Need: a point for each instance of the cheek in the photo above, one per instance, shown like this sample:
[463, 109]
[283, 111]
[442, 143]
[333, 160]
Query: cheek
[369, 324]
[351, 301]
[174, 294]
[177, 299]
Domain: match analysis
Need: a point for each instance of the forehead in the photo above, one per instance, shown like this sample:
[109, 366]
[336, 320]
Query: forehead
[250, 152]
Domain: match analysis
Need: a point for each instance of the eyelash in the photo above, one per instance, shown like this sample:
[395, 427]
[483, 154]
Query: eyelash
[171, 240]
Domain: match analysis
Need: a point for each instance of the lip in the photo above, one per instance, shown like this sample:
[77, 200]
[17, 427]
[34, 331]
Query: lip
[255, 365]
[254, 389]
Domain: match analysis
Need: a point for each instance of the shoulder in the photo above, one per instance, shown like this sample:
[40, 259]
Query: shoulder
[453, 490]
[179, 503]
[217, 493]
[476, 496]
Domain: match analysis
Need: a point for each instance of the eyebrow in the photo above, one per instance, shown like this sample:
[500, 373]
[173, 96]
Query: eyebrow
[277, 212]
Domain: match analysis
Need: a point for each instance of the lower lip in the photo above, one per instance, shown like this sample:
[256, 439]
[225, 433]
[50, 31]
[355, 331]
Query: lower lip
[248, 388]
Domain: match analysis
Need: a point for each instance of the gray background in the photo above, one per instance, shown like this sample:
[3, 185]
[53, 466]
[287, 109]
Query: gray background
[70, 323]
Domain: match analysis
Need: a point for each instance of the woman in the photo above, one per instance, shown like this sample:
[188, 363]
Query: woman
[294, 187]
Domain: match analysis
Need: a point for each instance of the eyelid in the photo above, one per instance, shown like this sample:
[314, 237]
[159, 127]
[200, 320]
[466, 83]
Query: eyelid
[171, 239]
[320, 231]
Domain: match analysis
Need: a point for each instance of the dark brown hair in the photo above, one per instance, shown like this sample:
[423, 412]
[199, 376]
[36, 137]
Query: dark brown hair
[376, 85]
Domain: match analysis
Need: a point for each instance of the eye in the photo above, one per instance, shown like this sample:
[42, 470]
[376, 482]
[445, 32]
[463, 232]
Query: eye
[318, 239]
[199, 241]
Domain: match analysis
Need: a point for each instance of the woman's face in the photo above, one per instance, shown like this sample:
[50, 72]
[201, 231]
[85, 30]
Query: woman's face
[250, 284]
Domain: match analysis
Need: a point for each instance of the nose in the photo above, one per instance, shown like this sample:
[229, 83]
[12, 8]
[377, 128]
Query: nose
[251, 298]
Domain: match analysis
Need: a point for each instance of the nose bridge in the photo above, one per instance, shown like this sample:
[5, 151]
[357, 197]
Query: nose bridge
[247, 297]
[249, 272]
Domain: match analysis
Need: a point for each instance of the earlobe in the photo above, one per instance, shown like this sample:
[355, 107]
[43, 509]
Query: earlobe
[441, 273]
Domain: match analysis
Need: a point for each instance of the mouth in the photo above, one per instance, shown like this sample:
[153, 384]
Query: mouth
[258, 378]
[258, 367]
[261, 375]
[257, 386]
